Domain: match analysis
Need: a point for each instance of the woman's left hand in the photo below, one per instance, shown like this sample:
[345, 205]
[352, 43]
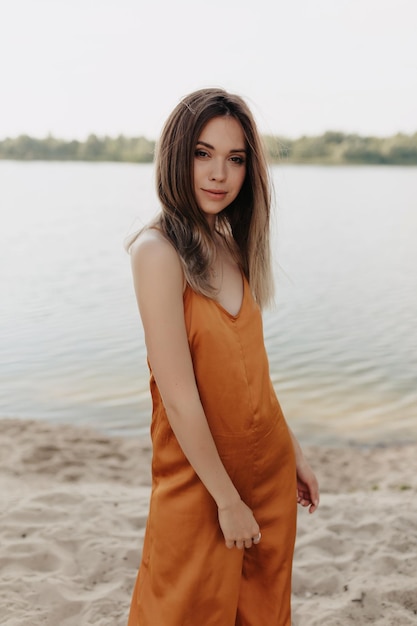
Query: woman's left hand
[307, 486]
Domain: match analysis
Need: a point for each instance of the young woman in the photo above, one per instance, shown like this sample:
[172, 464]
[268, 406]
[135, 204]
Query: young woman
[226, 472]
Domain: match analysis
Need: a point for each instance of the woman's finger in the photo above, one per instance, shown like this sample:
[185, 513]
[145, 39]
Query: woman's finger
[257, 539]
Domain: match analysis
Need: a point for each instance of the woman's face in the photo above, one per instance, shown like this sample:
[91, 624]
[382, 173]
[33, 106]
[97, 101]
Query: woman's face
[219, 165]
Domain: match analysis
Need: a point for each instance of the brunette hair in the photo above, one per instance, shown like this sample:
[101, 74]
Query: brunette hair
[244, 224]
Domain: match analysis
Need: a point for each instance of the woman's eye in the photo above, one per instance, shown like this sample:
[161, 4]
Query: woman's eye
[200, 153]
[238, 160]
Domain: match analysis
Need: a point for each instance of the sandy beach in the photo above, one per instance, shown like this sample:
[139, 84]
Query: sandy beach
[73, 512]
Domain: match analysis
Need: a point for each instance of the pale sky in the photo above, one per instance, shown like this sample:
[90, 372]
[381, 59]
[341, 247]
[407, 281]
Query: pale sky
[74, 67]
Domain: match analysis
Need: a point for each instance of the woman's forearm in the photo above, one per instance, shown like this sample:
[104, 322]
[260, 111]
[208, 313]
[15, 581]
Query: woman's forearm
[299, 456]
[194, 436]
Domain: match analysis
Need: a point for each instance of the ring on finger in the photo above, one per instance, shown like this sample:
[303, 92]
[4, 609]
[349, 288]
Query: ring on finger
[257, 538]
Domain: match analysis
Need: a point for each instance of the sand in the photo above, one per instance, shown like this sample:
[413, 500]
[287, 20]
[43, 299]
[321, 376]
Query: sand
[74, 506]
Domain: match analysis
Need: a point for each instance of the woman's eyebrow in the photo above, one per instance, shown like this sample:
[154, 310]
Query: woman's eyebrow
[207, 145]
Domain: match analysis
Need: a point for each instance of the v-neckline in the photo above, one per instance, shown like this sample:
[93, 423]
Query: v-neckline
[225, 311]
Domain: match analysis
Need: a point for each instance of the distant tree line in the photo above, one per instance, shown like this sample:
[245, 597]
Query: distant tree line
[330, 148]
[126, 149]
[340, 148]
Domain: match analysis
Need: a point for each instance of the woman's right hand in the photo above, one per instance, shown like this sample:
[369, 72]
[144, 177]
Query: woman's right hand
[238, 525]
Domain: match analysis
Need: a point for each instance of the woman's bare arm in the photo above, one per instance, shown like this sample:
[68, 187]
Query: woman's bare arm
[159, 281]
[307, 485]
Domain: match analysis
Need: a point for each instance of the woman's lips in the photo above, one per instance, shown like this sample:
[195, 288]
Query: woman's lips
[215, 194]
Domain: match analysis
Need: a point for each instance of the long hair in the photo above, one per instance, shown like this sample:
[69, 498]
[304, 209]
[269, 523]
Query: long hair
[244, 224]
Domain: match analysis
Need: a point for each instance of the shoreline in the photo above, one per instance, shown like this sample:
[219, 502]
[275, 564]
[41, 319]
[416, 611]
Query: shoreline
[74, 508]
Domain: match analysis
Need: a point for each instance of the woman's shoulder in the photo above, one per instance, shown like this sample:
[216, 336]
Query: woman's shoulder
[152, 245]
[154, 256]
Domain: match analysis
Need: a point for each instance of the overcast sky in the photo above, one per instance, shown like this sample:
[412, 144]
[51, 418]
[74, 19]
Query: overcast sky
[74, 67]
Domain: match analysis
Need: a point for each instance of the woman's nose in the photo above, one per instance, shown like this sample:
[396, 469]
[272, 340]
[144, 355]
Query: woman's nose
[218, 170]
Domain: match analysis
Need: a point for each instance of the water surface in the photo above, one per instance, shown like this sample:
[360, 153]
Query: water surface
[342, 339]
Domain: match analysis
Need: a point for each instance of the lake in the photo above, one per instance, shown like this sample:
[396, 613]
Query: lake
[342, 339]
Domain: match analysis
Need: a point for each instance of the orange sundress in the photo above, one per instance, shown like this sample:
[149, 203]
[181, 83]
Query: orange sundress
[187, 575]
